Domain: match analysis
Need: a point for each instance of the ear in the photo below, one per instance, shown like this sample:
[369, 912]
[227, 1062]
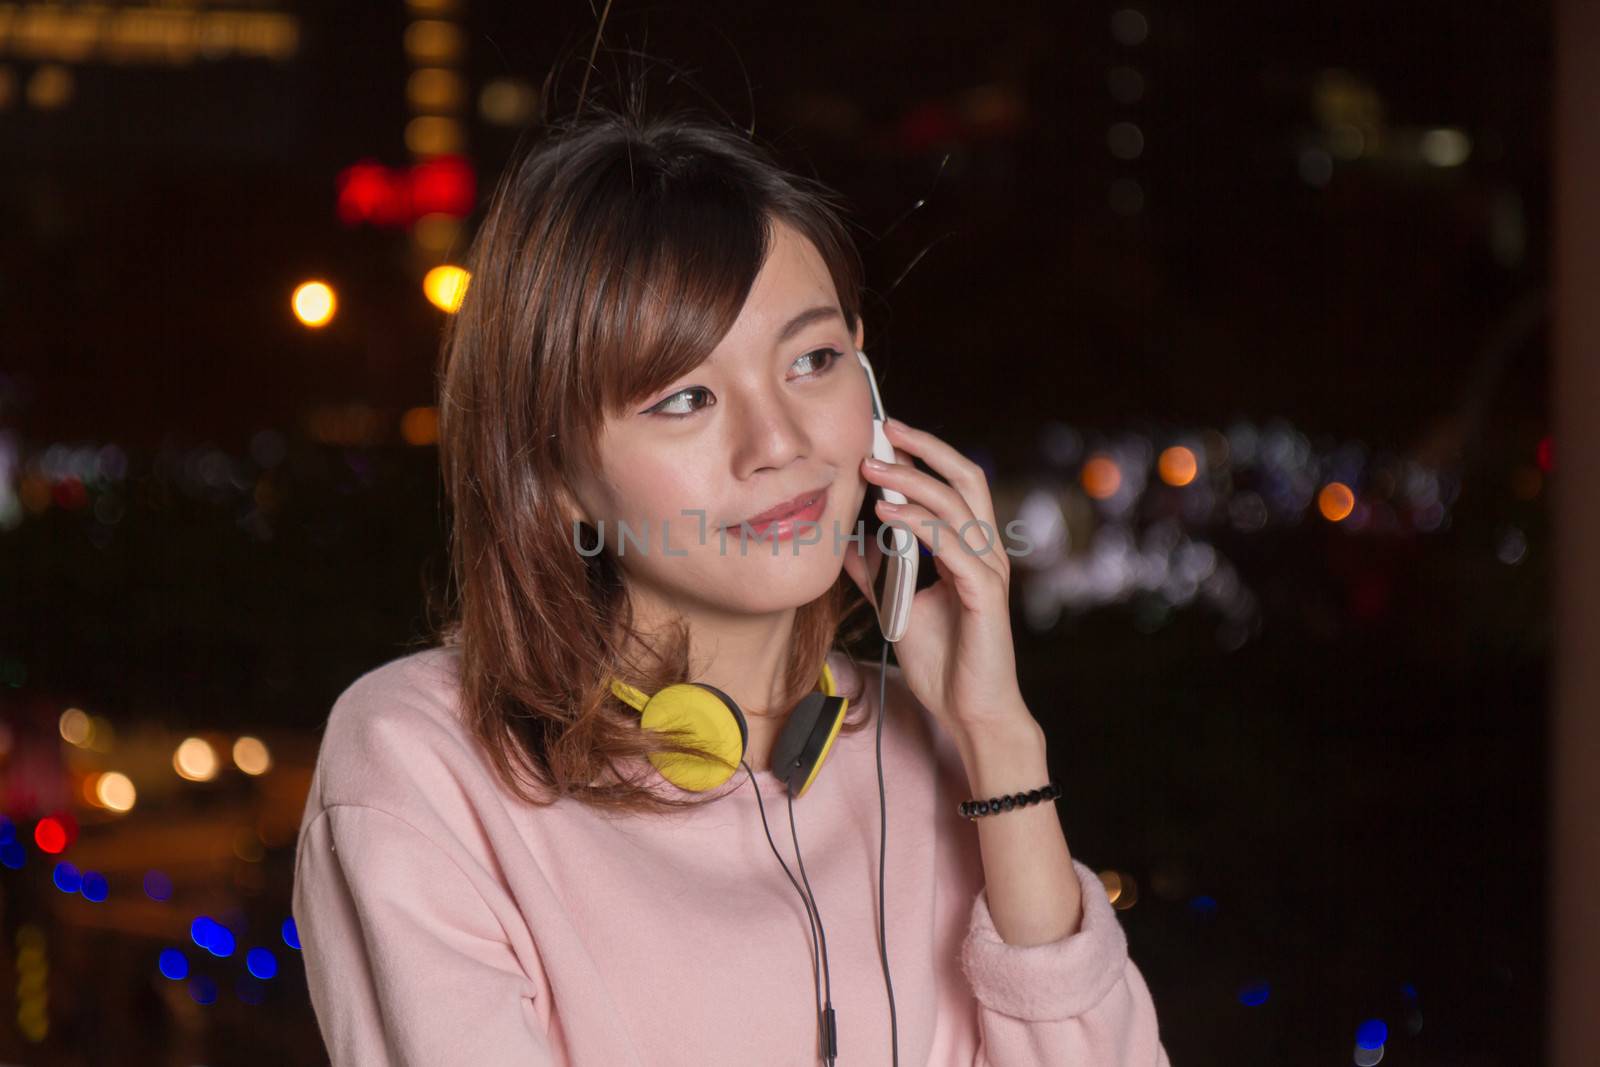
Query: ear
[861, 333]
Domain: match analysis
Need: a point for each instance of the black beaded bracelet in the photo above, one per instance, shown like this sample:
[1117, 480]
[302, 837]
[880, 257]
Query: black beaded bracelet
[972, 809]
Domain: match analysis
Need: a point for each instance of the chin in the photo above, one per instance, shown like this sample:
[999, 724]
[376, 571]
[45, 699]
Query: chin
[774, 584]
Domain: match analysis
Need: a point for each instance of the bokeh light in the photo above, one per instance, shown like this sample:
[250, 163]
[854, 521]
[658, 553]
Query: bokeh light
[1336, 501]
[74, 726]
[314, 303]
[114, 791]
[250, 755]
[195, 759]
[1177, 465]
[173, 964]
[446, 286]
[1100, 477]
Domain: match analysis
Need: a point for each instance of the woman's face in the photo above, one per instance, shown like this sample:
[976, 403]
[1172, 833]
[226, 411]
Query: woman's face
[781, 407]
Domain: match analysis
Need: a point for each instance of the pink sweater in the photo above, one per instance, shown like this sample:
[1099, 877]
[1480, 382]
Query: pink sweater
[443, 922]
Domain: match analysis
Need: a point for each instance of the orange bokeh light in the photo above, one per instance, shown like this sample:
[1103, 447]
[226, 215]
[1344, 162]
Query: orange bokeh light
[1177, 465]
[1336, 501]
[1100, 477]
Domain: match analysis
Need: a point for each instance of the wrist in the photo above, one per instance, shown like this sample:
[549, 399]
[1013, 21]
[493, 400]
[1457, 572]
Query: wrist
[1005, 757]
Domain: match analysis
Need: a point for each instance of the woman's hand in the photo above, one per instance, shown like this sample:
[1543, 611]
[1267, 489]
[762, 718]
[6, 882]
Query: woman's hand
[957, 655]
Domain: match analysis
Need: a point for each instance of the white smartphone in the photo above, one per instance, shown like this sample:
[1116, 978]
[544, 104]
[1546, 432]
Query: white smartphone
[894, 584]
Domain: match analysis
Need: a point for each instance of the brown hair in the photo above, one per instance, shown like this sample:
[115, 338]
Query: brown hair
[612, 258]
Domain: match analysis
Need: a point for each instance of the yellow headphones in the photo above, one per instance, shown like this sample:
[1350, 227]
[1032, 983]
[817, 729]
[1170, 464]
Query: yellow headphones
[714, 722]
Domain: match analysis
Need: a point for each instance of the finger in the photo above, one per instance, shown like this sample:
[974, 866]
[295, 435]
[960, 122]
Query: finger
[961, 472]
[977, 581]
[942, 500]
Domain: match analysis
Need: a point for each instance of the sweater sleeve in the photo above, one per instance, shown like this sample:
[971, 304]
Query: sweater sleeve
[1079, 1001]
[406, 963]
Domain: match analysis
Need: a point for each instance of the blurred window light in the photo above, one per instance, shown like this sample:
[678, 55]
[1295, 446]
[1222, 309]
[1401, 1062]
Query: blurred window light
[507, 102]
[1342, 97]
[50, 87]
[1129, 26]
[1346, 141]
[159, 34]
[1126, 85]
[1125, 140]
[1316, 167]
[435, 89]
[436, 232]
[1126, 196]
[433, 41]
[435, 135]
[1445, 147]
[420, 426]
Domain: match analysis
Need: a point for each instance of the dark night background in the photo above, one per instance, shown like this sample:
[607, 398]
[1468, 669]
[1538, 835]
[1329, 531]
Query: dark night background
[1306, 242]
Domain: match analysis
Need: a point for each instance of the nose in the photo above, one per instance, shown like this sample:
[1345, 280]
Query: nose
[769, 432]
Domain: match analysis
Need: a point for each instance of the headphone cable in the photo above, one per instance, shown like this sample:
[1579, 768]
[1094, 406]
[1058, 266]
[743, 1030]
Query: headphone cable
[827, 1020]
[811, 916]
[830, 1032]
[883, 841]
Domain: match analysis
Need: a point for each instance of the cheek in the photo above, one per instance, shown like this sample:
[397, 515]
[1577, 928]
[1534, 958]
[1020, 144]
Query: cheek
[849, 438]
[660, 484]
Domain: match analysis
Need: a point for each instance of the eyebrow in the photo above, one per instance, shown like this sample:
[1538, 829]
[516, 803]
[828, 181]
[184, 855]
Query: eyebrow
[806, 318]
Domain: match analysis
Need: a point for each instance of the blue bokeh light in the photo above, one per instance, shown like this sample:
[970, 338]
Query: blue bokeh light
[1254, 993]
[1372, 1033]
[1203, 906]
[212, 936]
[8, 830]
[12, 854]
[157, 886]
[173, 964]
[291, 933]
[261, 963]
[94, 886]
[66, 877]
[202, 989]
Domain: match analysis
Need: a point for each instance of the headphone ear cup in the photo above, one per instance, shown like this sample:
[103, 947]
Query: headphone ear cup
[815, 723]
[734, 710]
[712, 721]
[786, 751]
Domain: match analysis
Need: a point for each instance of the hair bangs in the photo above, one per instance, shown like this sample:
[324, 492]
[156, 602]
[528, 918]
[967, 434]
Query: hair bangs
[679, 264]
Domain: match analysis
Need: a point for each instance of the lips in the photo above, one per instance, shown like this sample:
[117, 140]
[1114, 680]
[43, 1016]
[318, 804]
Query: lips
[787, 507]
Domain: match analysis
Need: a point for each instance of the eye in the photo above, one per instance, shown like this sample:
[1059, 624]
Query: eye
[826, 358]
[660, 409]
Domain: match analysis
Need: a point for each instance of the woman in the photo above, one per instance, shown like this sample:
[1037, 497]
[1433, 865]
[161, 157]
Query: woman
[501, 861]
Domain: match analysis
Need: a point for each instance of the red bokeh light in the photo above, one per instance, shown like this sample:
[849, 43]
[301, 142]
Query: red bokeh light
[373, 193]
[50, 836]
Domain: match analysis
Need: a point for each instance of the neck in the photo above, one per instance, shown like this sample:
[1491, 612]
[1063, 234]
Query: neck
[743, 655]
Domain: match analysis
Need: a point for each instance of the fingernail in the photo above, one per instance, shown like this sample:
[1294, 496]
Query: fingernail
[876, 464]
[884, 505]
[894, 422]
